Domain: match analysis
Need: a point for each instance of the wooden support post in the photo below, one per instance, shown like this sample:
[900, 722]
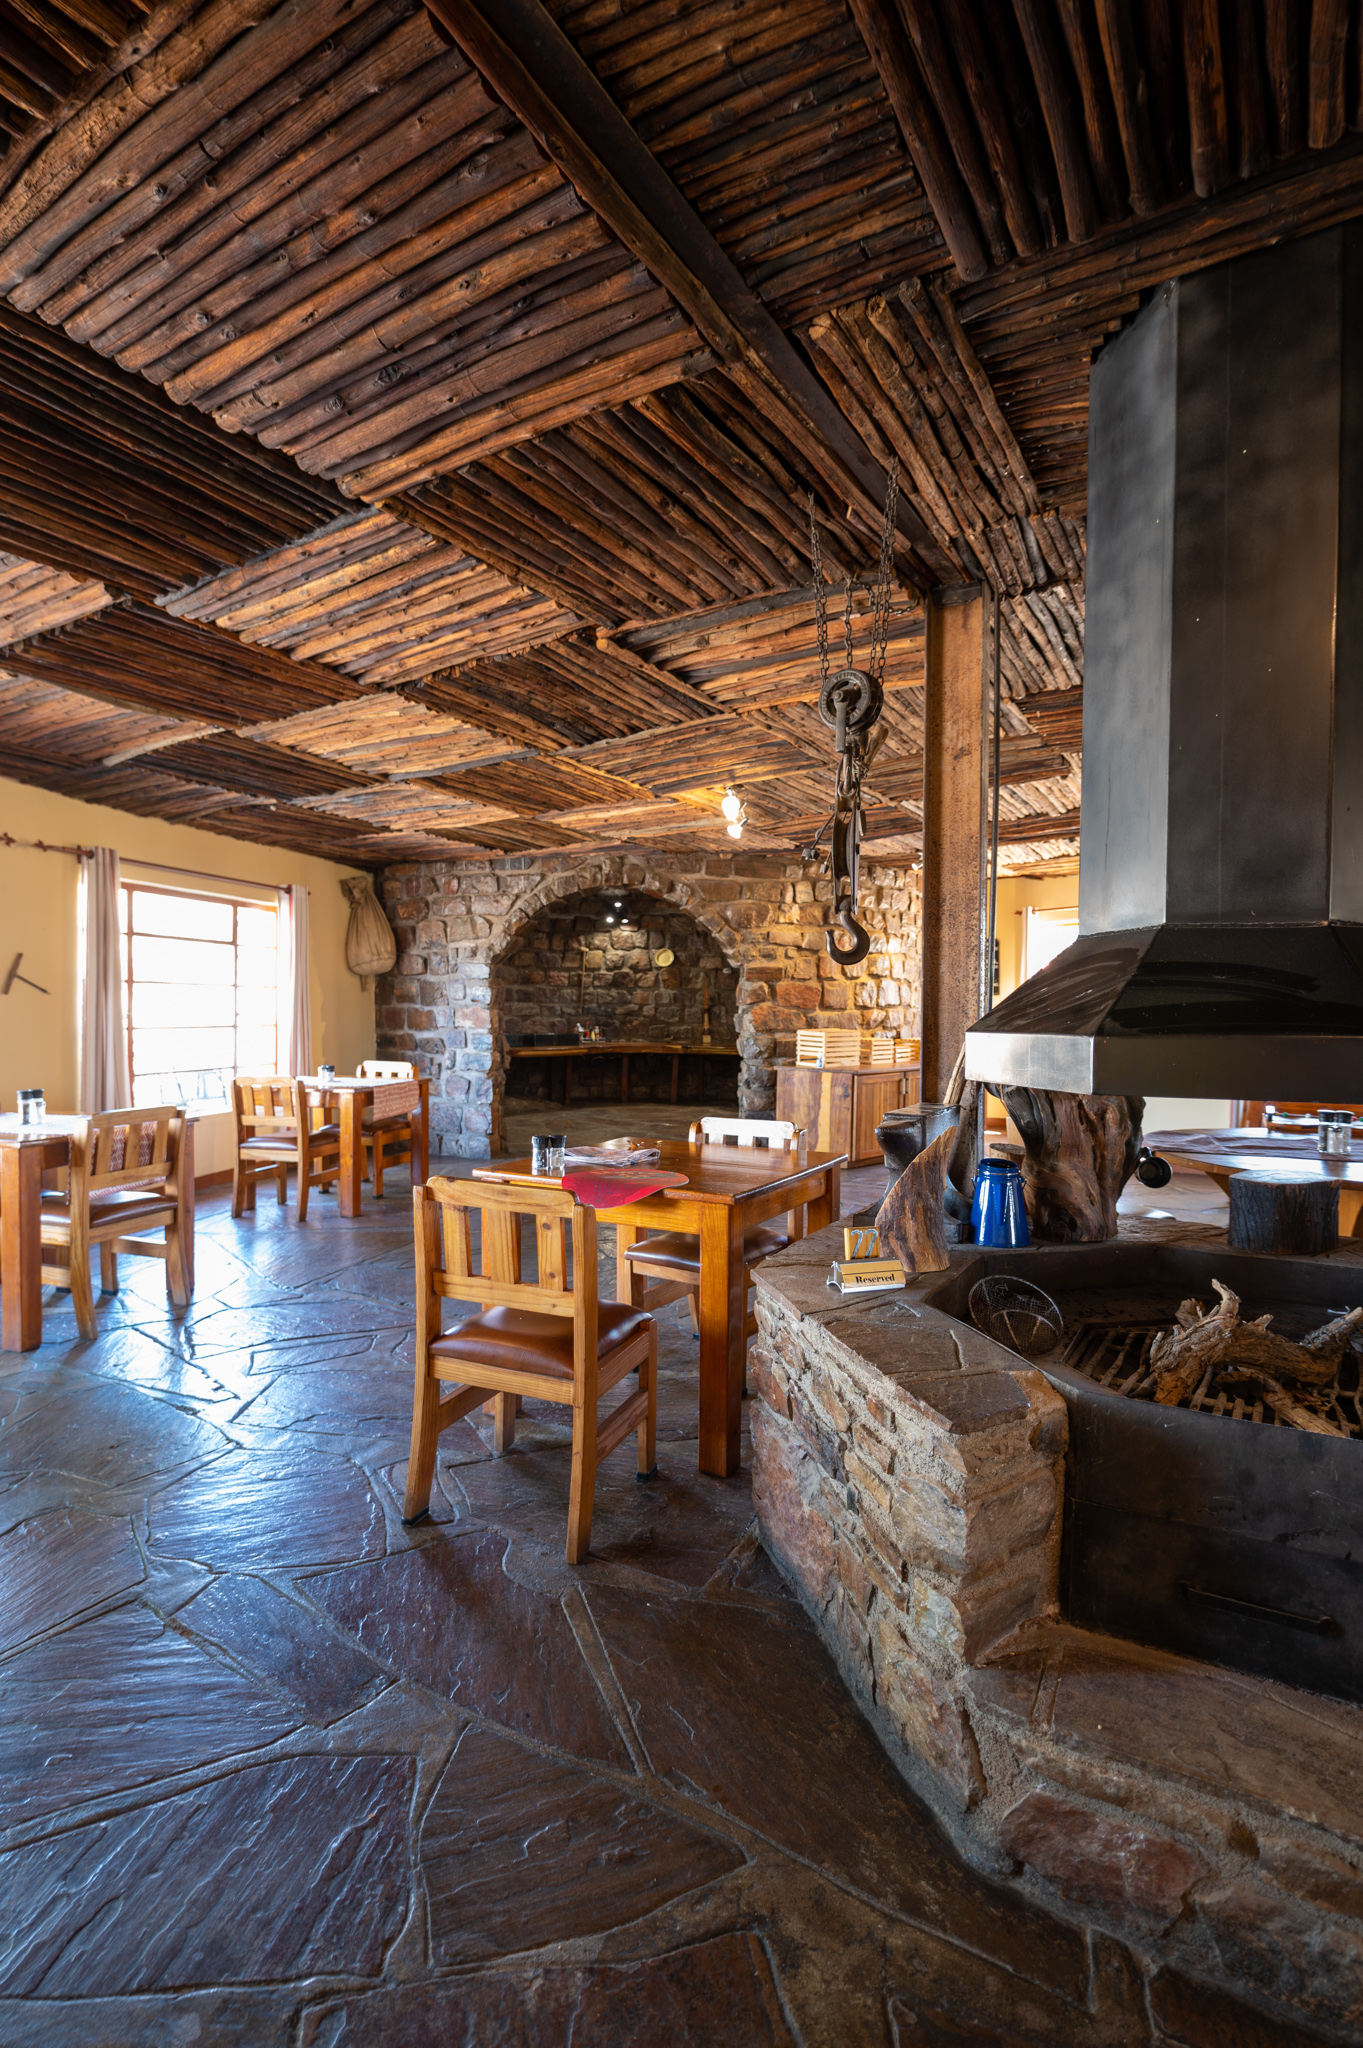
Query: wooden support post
[955, 767]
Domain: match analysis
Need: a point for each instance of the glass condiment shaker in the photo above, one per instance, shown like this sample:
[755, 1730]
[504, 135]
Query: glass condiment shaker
[32, 1106]
[1335, 1133]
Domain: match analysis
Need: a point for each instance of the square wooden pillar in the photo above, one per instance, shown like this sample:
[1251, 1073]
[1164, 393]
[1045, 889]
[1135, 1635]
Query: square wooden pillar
[955, 814]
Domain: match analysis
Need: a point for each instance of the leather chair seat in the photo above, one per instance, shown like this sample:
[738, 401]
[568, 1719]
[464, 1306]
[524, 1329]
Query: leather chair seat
[678, 1253]
[519, 1340]
[129, 1208]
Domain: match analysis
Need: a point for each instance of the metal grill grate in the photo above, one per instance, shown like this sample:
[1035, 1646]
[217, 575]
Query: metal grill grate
[1116, 1355]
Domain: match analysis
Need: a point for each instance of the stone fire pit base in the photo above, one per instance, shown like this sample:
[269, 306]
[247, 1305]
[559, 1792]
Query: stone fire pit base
[908, 1476]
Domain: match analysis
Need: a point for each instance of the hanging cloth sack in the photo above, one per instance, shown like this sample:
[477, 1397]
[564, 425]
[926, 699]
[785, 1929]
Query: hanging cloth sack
[370, 947]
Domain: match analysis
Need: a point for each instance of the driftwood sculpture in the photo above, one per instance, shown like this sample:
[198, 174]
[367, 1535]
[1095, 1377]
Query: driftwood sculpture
[912, 1218]
[1080, 1151]
[1239, 1353]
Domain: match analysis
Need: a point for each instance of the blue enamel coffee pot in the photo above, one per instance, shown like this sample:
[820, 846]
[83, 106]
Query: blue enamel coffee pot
[998, 1213]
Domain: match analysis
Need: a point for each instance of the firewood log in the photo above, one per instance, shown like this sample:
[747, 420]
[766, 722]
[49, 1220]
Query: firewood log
[1179, 1358]
[1208, 1342]
[1280, 1401]
[912, 1218]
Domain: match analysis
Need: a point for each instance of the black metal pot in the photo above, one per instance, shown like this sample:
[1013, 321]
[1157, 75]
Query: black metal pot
[903, 1133]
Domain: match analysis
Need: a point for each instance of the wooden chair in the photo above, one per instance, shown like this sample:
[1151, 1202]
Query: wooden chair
[389, 1140]
[672, 1257]
[124, 1180]
[541, 1337]
[279, 1125]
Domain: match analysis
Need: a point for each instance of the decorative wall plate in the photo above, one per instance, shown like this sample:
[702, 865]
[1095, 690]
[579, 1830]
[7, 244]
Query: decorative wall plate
[664, 958]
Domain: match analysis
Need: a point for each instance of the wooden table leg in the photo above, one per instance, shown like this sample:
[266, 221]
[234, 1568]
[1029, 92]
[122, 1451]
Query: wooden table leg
[827, 1205]
[723, 1312]
[185, 1204]
[629, 1285]
[21, 1255]
[352, 1151]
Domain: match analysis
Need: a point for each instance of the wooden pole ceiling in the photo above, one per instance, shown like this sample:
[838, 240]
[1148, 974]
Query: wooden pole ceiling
[409, 417]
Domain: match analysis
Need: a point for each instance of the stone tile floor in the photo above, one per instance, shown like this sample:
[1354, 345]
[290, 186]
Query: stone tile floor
[278, 1772]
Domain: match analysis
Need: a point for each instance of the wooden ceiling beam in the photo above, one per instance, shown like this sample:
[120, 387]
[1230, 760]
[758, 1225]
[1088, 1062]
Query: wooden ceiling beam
[531, 65]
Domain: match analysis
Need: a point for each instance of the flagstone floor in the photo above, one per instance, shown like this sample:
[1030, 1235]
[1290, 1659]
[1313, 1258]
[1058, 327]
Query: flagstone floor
[278, 1772]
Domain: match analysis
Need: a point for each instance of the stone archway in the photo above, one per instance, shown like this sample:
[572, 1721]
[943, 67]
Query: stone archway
[599, 956]
[456, 918]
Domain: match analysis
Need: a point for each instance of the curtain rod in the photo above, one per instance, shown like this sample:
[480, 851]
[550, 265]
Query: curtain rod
[159, 867]
[41, 846]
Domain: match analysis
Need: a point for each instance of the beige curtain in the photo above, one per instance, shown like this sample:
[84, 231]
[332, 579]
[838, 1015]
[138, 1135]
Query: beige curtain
[105, 1082]
[295, 994]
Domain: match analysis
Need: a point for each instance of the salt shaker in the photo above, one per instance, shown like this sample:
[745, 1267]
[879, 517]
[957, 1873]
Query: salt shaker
[32, 1106]
[1335, 1133]
[541, 1154]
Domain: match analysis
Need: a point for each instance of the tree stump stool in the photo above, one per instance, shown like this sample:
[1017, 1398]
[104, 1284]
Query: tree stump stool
[1271, 1213]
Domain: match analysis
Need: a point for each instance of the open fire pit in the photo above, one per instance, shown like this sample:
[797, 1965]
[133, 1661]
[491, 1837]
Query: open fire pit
[1185, 1526]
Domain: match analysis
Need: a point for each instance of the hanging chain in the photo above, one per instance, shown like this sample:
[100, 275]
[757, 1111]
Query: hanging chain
[880, 614]
[820, 594]
[851, 702]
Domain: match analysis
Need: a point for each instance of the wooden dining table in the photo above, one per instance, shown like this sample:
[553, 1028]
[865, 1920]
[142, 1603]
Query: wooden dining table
[352, 1093]
[1221, 1154]
[729, 1190]
[27, 1152]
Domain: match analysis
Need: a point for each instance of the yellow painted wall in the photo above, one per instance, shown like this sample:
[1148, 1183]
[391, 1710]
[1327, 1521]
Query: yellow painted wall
[1051, 892]
[39, 1035]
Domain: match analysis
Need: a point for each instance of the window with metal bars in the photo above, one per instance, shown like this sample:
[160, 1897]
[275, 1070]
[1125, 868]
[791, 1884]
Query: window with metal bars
[200, 993]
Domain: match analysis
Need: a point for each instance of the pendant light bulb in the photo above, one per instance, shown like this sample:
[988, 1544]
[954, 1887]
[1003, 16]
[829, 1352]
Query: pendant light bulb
[732, 807]
[735, 831]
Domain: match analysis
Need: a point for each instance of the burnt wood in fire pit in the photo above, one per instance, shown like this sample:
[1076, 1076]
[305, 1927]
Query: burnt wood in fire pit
[1222, 1528]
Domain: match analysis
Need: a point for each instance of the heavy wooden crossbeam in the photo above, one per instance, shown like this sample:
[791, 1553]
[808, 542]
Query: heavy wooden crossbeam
[530, 64]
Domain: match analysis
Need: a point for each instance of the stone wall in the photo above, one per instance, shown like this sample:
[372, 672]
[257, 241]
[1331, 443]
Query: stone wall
[595, 958]
[456, 921]
[908, 1476]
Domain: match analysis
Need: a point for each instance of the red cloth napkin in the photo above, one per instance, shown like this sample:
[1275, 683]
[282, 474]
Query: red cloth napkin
[610, 1187]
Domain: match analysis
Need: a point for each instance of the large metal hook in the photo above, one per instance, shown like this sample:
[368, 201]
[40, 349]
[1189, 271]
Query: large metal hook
[861, 938]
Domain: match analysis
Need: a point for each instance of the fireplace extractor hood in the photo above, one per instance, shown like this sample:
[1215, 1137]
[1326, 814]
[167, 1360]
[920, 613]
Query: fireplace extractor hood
[1221, 870]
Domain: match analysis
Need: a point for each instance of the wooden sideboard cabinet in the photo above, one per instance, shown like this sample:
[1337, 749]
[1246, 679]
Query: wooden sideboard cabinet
[841, 1106]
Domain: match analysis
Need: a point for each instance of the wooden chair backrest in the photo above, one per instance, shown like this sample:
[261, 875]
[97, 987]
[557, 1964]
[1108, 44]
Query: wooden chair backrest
[127, 1148]
[264, 1103]
[444, 1252]
[387, 1070]
[772, 1132]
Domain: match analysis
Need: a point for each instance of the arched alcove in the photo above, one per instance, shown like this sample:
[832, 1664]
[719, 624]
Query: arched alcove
[598, 957]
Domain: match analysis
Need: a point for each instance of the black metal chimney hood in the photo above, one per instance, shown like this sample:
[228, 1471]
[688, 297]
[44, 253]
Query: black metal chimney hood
[1221, 870]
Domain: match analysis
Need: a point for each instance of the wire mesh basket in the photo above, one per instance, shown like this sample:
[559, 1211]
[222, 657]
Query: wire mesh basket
[1016, 1313]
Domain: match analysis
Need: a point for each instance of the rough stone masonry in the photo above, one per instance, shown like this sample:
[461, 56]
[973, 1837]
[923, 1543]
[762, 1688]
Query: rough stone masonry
[908, 1476]
[456, 920]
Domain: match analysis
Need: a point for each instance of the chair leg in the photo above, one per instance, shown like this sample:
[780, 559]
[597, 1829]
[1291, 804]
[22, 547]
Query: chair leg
[177, 1277]
[582, 1489]
[108, 1269]
[281, 1186]
[648, 1428]
[243, 1187]
[82, 1298]
[304, 1185]
[416, 1500]
[693, 1303]
[503, 1424]
[378, 1166]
